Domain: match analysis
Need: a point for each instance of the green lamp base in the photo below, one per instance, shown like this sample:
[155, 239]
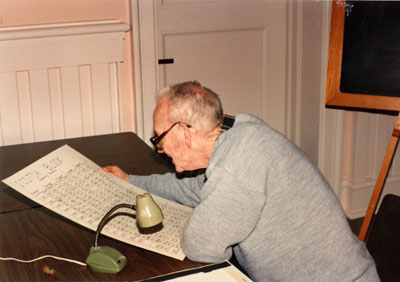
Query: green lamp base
[106, 259]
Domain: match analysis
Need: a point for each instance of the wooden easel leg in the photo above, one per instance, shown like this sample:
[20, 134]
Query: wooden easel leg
[381, 180]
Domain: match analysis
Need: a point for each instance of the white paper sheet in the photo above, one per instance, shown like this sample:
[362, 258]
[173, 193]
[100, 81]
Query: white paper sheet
[71, 185]
[225, 272]
[230, 274]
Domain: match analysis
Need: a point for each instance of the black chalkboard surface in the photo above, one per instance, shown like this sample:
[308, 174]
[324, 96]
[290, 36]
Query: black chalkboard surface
[364, 55]
[371, 48]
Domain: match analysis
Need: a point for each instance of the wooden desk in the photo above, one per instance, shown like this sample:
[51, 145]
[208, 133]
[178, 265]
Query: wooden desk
[28, 230]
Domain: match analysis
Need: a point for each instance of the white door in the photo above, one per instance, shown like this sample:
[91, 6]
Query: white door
[237, 48]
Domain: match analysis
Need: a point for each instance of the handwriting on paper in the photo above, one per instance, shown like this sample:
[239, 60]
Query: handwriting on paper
[71, 185]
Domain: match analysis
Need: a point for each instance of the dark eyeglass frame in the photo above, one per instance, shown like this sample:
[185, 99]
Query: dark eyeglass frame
[157, 138]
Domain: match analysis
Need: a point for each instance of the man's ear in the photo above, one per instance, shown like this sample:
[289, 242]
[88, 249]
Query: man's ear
[188, 136]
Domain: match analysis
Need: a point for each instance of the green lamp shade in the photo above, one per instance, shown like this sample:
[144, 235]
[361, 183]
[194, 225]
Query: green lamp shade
[148, 213]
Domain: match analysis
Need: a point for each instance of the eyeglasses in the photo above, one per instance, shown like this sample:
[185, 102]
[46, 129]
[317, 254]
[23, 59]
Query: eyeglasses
[157, 138]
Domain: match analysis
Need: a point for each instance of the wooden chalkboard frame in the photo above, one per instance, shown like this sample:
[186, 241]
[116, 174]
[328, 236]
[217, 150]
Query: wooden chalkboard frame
[334, 97]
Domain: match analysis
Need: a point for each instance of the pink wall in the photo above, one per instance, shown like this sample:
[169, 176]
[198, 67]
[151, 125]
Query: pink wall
[27, 12]
[31, 12]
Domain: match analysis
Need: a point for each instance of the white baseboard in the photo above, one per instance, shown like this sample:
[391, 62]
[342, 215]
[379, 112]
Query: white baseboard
[357, 194]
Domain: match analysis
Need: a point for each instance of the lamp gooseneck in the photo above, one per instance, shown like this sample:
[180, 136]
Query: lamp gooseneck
[106, 217]
[108, 260]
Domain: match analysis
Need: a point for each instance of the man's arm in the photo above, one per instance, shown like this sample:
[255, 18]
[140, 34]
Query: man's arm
[228, 213]
[185, 191]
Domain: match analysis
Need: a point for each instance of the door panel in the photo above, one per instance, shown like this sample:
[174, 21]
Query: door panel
[236, 48]
[216, 65]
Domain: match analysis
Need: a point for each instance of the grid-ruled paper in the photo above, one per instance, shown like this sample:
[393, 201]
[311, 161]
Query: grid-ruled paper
[71, 185]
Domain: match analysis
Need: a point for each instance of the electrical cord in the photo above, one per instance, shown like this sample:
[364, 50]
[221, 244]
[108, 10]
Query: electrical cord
[42, 257]
[100, 226]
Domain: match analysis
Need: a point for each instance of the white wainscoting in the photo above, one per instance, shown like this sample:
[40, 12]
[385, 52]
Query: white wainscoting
[60, 81]
[367, 136]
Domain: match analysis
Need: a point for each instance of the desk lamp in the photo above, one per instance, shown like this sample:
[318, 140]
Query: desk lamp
[108, 260]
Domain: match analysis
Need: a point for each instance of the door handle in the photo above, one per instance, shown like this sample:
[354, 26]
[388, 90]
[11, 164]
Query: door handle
[166, 61]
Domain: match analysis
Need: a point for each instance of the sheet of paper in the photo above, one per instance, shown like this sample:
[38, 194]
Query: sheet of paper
[214, 276]
[227, 273]
[71, 185]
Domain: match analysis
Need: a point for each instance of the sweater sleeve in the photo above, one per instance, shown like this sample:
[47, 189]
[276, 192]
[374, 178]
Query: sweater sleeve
[185, 191]
[228, 213]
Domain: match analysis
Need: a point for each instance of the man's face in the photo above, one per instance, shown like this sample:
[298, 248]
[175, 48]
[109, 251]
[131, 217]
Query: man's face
[173, 143]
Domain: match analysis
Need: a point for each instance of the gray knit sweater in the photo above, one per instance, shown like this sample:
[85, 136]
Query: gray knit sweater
[263, 198]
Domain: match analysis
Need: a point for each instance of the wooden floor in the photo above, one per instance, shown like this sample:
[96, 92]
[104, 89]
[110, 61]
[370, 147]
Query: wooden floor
[355, 225]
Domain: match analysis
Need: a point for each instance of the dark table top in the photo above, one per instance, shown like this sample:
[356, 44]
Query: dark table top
[28, 231]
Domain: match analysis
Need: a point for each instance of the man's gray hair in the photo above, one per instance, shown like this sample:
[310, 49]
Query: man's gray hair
[191, 103]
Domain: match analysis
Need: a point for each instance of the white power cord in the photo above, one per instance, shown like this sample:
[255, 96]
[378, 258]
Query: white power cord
[42, 257]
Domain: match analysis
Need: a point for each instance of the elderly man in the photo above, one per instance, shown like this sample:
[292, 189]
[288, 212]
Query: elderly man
[260, 196]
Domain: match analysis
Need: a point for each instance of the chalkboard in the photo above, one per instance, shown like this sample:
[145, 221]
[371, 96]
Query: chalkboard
[364, 55]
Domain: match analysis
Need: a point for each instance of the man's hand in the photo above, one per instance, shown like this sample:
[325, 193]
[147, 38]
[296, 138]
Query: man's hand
[116, 171]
